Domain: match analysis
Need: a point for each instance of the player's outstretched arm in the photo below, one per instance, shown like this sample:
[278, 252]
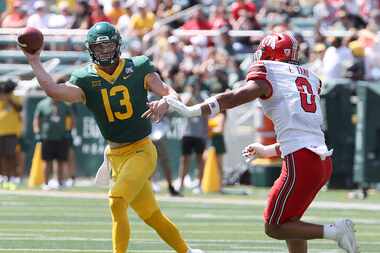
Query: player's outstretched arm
[213, 105]
[65, 92]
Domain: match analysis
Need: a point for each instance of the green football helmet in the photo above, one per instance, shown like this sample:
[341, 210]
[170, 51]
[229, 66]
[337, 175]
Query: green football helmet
[103, 42]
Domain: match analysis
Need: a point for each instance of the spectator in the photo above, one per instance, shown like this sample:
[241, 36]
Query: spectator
[225, 41]
[195, 134]
[343, 21]
[191, 60]
[125, 19]
[372, 60]
[218, 17]
[367, 36]
[248, 6]
[98, 14]
[159, 139]
[174, 78]
[115, 12]
[209, 62]
[217, 80]
[216, 127]
[290, 8]
[50, 126]
[64, 19]
[325, 13]
[356, 71]
[167, 8]
[198, 21]
[304, 49]
[143, 21]
[235, 73]
[40, 19]
[10, 128]
[135, 47]
[315, 62]
[353, 15]
[336, 59]
[245, 21]
[169, 56]
[374, 21]
[17, 17]
[82, 15]
[365, 8]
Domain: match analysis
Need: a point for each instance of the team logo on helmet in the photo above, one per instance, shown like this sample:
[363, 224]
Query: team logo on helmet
[278, 47]
[269, 41]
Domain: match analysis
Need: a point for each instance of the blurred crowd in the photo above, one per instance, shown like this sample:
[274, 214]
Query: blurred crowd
[338, 38]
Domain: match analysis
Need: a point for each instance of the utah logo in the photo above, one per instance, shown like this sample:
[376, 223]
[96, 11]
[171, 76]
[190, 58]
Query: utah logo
[269, 41]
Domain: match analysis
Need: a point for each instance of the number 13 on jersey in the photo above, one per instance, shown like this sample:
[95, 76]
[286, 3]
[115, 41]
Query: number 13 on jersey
[124, 102]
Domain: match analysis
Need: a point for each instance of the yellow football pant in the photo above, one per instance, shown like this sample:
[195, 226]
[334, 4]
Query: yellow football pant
[132, 166]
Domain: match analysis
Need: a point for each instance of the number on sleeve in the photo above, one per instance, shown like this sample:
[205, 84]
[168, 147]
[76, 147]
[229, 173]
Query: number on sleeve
[306, 94]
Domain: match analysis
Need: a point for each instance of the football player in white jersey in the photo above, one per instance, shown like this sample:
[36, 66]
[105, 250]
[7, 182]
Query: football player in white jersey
[289, 95]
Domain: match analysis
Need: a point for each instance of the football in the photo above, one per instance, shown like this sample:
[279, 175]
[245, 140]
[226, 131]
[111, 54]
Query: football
[30, 40]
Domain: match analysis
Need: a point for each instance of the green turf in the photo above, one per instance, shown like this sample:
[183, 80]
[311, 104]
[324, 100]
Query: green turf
[67, 224]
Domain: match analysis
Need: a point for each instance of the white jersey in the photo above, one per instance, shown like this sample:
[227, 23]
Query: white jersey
[293, 106]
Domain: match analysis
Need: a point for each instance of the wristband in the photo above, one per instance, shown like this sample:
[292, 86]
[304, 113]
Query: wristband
[178, 106]
[213, 104]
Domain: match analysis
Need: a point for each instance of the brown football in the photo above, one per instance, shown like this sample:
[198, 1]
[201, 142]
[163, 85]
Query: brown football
[30, 40]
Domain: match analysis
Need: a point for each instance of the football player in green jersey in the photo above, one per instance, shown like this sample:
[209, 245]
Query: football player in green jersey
[115, 90]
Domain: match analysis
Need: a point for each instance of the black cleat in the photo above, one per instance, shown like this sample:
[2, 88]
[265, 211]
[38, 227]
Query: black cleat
[173, 192]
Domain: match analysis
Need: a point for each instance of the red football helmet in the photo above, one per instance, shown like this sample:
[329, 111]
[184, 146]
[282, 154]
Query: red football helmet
[278, 47]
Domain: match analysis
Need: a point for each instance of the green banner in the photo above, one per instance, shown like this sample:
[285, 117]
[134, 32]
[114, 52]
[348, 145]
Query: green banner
[88, 142]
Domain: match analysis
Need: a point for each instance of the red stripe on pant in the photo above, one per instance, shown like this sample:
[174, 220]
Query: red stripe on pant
[284, 192]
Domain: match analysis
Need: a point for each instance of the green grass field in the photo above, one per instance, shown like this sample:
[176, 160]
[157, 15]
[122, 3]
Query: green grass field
[78, 220]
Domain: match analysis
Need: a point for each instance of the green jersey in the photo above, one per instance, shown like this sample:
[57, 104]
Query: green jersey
[117, 100]
[53, 119]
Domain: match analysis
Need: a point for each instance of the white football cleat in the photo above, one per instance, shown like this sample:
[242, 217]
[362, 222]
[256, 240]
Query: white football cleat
[195, 251]
[346, 235]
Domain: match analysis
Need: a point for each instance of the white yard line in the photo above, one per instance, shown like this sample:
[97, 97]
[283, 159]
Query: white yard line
[196, 200]
[21, 232]
[199, 242]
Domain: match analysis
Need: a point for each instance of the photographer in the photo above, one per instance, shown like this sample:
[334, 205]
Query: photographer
[10, 128]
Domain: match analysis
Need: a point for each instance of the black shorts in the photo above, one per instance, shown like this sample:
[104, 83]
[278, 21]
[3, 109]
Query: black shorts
[8, 145]
[217, 141]
[193, 144]
[55, 150]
